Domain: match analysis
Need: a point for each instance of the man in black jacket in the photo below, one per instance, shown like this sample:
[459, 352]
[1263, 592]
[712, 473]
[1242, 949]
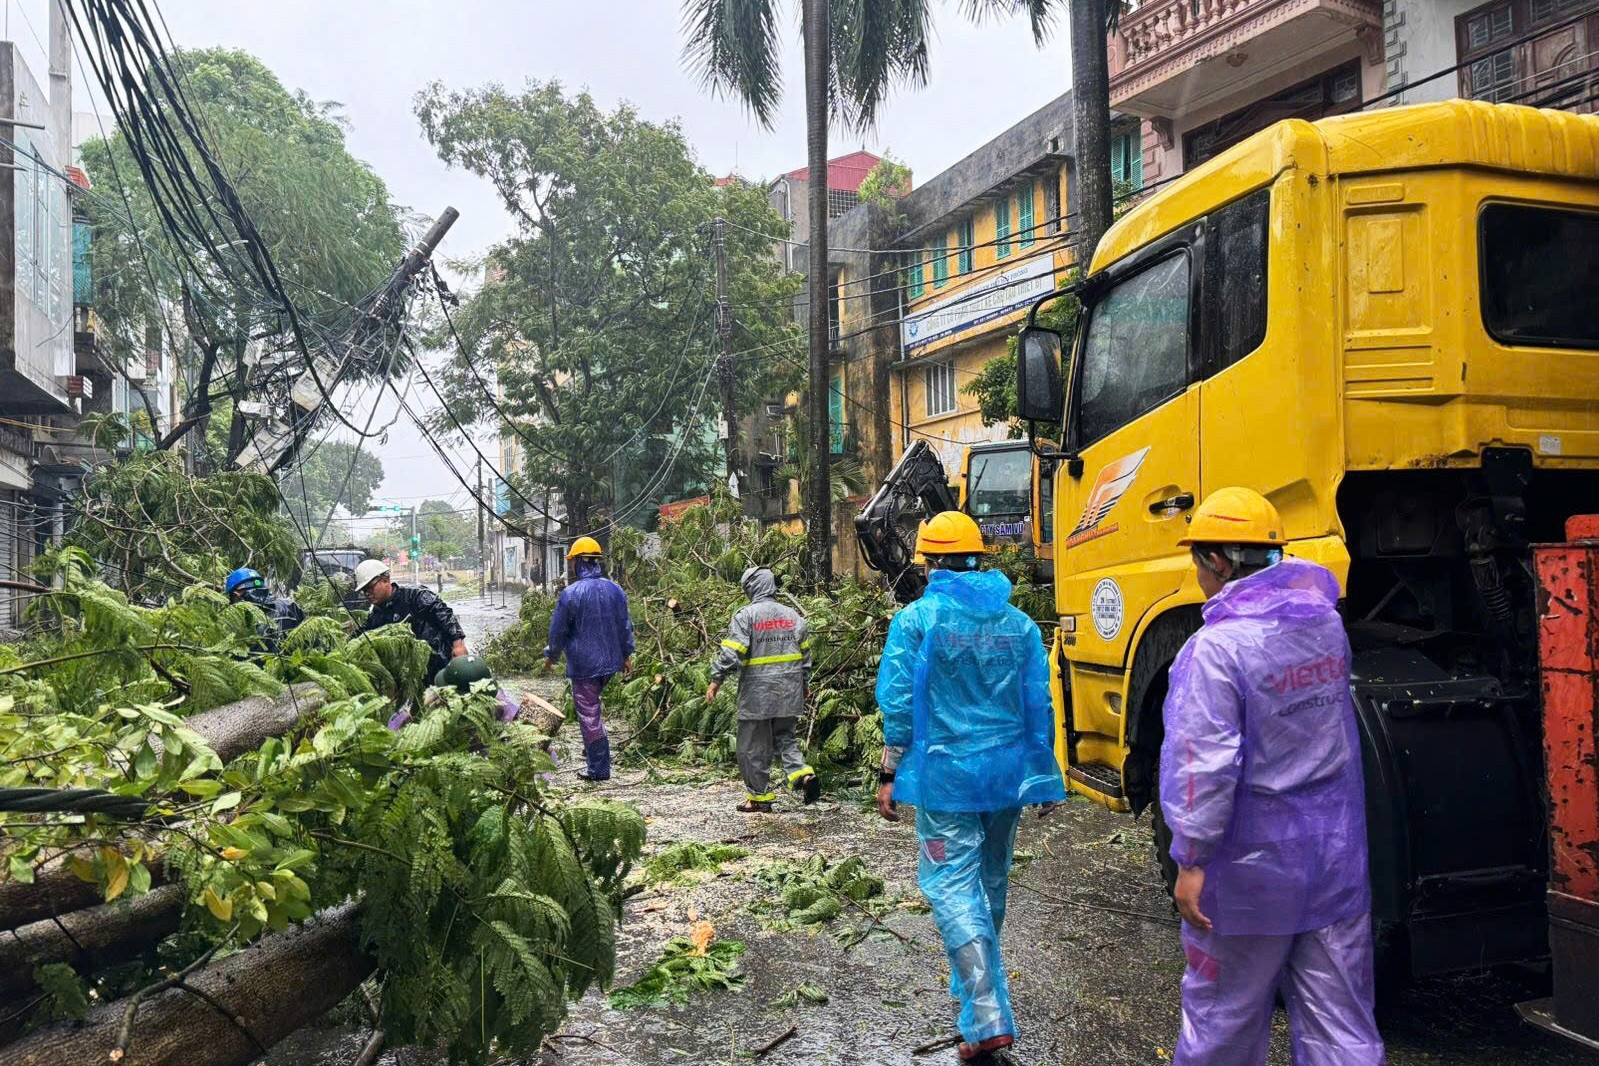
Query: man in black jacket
[429, 617]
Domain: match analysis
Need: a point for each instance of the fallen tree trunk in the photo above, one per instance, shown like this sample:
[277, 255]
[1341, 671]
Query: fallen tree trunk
[235, 728]
[55, 890]
[96, 937]
[268, 991]
[230, 730]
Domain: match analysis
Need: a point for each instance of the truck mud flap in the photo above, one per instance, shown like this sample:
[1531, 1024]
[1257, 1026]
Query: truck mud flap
[1453, 811]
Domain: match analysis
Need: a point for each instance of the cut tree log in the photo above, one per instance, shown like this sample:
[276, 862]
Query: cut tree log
[96, 937]
[283, 983]
[230, 730]
[542, 715]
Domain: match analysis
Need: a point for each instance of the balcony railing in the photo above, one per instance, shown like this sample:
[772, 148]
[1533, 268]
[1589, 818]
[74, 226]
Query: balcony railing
[1160, 49]
[1162, 25]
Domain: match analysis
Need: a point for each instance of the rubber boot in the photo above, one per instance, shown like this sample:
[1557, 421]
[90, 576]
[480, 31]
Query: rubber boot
[599, 761]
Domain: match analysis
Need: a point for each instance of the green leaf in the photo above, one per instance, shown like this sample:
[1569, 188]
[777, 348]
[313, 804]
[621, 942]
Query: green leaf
[20, 868]
[226, 802]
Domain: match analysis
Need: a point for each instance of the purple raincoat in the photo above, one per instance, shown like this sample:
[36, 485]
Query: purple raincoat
[591, 625]
[1260, 771]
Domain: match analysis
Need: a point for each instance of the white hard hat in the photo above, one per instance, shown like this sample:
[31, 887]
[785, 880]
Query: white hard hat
[368, 571]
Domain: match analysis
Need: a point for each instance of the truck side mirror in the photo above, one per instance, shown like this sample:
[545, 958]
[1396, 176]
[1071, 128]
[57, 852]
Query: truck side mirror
[1038, 391]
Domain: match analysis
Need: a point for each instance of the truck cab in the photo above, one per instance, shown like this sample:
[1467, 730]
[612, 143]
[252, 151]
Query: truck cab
[1002, 488]
[1381, 321]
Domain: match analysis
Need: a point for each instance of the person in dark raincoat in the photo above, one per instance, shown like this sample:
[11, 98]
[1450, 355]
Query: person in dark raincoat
[969, 730]
[593, 629]
[768, 643]
[1261, 785]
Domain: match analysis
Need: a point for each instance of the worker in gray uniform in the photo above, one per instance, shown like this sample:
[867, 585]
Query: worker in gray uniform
[768, 643]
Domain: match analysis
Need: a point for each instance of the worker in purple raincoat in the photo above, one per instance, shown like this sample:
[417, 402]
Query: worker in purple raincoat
[592, 627]
[1260, 783]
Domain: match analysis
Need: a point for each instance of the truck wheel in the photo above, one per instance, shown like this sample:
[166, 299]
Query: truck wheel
[1163, 859]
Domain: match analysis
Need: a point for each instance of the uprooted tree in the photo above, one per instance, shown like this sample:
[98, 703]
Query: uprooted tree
[162, 839]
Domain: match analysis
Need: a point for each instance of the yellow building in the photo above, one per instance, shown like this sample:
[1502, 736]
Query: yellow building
[926, 294]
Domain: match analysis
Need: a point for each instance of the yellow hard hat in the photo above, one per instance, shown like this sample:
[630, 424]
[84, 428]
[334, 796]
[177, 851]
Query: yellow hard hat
[949, 533]
[1235, 515]
[584, 546]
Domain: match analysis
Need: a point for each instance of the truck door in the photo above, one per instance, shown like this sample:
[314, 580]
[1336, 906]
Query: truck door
[1134, 421]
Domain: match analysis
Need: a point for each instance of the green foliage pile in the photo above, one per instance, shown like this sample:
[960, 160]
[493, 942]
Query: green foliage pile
[487, 902]
[683, 597]
[681, 971]
[811, 892]
[686, 856]
[519, 648]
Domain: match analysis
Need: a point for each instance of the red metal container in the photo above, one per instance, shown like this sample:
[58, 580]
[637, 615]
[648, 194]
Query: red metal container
[1568, 654]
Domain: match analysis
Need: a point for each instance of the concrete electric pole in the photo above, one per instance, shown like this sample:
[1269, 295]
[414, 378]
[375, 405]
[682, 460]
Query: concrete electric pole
[482, 590]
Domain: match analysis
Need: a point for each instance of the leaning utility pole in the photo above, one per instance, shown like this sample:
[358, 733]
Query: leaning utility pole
[818, 487]
[481, 591]
[416, 550]
[724, 364]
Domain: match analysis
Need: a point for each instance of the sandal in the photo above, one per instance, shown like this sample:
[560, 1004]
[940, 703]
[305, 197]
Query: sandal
[754, 807]
[981, 1051]
[810, 788]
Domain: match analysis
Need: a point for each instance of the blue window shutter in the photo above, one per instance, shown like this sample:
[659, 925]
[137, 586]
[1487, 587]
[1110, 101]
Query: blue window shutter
[1118, 165]
[835, 414]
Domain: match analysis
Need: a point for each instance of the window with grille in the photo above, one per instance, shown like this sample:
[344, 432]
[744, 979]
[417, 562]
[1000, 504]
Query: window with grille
[1024, 215]
[914, 285]
[939, 384]
[1002, 228]
[940, 254]
[1052, 203]
[965, 238]
[1537, 52]
[1127, 159]
[840, 201]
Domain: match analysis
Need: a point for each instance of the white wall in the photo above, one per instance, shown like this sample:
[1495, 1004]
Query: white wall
[1418, 40]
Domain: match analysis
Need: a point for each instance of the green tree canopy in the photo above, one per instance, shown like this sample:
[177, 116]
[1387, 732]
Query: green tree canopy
[332, 475]
[324, 215]
[596, 319]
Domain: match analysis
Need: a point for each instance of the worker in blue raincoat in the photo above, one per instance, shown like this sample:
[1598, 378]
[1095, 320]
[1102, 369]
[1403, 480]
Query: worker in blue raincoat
[970, 740]
[592, 627]
[1261, 784]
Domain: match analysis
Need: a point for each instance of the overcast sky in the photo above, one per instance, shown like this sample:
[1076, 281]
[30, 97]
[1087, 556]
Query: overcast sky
[373, 55]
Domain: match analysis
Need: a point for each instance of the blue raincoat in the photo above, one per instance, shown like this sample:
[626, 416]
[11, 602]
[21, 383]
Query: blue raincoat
[591, 625]
[1261, 784]
[964, 689]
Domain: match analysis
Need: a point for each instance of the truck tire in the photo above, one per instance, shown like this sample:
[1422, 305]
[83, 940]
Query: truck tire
[1163, 859]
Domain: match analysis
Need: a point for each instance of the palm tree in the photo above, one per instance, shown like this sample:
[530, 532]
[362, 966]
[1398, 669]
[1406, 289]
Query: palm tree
[855, 51]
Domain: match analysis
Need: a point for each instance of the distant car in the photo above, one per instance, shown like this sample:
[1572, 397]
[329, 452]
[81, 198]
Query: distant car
[338, 564]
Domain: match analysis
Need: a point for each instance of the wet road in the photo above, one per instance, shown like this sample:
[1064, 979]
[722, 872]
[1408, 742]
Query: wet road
[1090, 941]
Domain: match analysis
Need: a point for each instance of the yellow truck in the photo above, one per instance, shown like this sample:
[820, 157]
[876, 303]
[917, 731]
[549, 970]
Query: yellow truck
[1389, 324]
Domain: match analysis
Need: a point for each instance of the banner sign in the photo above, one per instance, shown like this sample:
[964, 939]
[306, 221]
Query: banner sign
[991, 298]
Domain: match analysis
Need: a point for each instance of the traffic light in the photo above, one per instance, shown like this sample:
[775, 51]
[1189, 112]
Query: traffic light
[416, 543]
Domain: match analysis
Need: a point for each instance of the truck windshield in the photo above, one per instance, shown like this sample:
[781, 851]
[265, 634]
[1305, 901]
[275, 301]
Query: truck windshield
[999, 483]
[1540, 270]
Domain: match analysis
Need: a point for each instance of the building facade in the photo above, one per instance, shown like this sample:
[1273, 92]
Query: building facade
[48, 370]
[927, 291]
[789, 196]
[1543, 53]
[1198, 76]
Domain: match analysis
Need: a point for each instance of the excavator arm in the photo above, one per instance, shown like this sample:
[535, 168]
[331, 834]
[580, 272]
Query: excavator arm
[915, 490]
